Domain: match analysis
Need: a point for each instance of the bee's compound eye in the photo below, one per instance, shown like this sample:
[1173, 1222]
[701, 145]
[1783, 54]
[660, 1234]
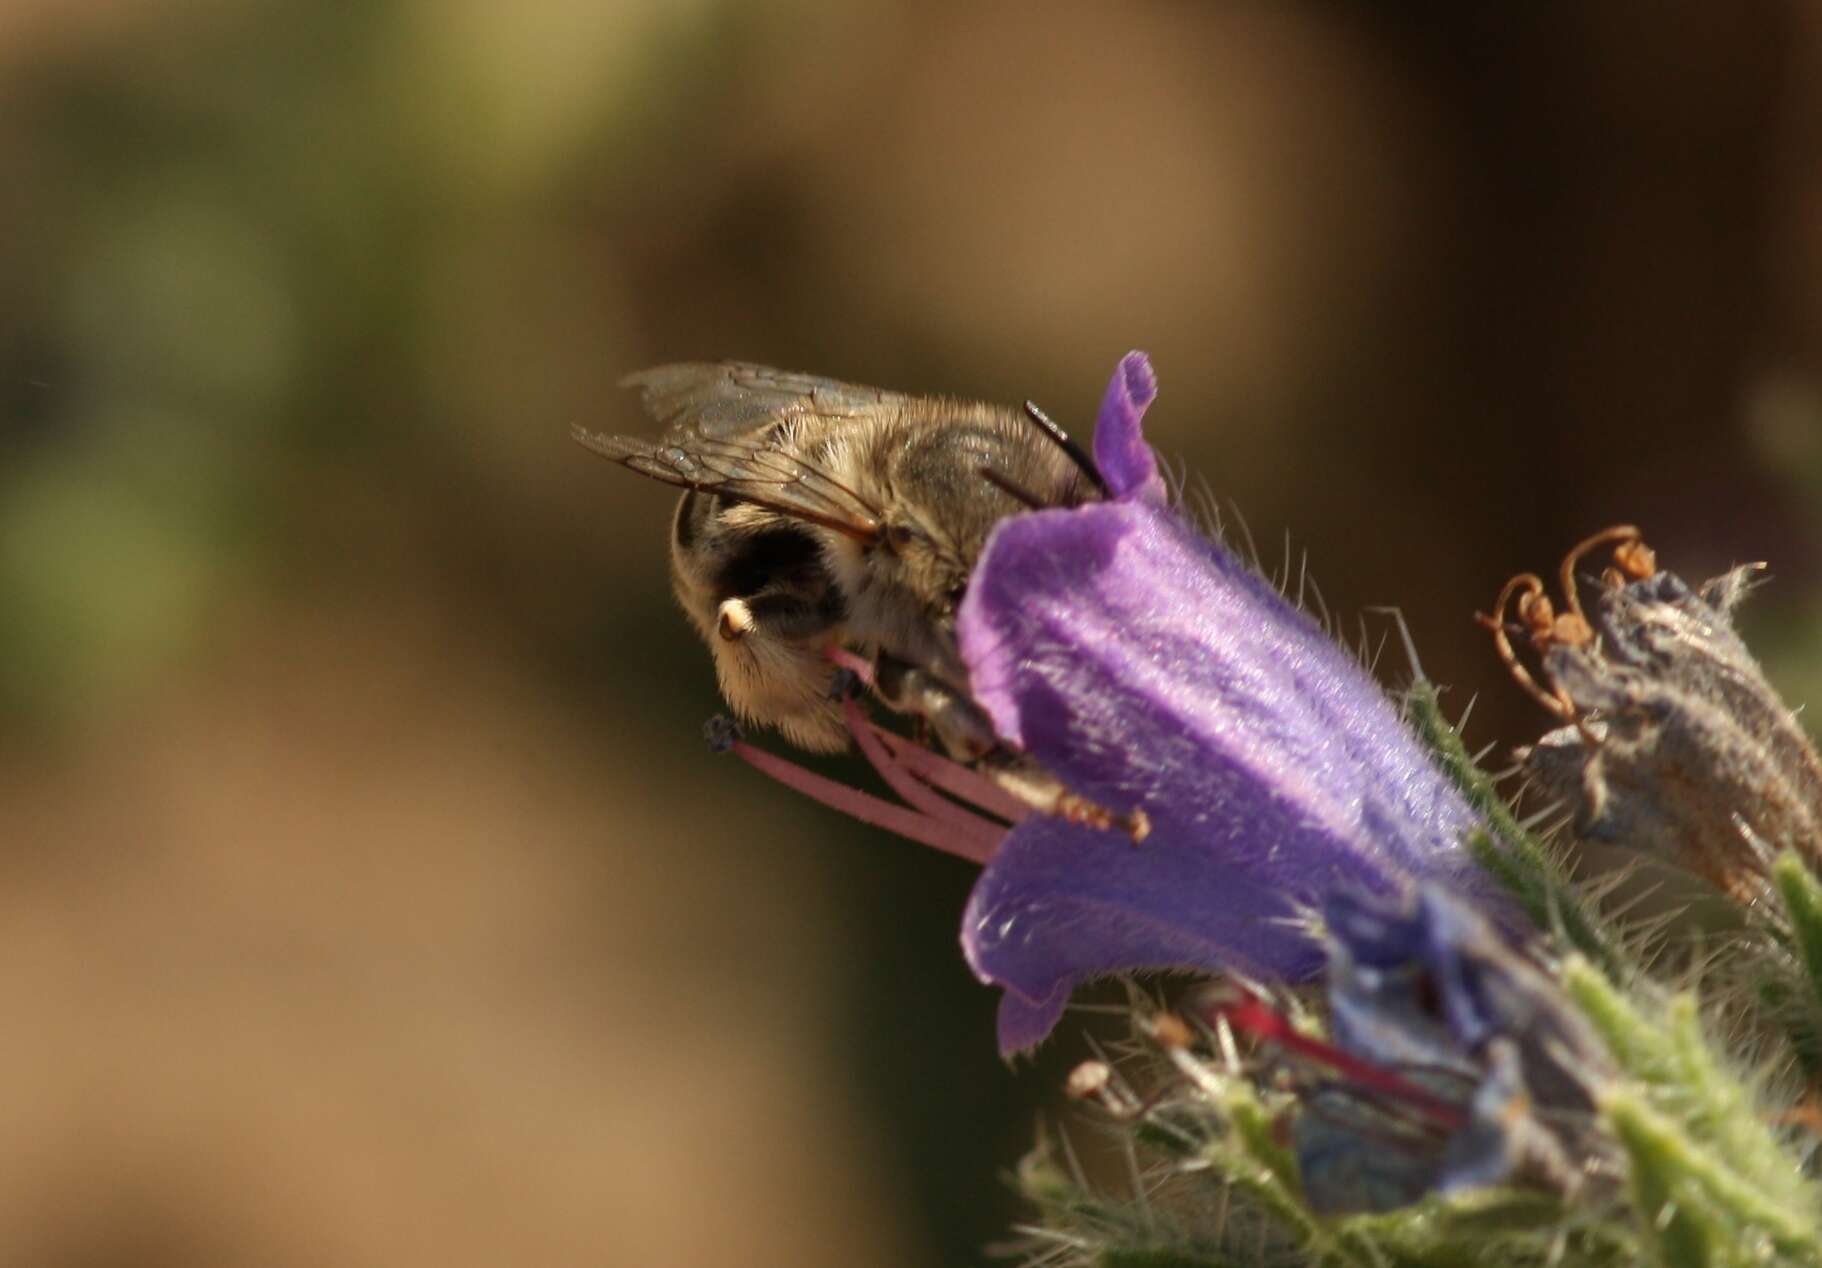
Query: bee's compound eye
[901, 536]
[733, 620]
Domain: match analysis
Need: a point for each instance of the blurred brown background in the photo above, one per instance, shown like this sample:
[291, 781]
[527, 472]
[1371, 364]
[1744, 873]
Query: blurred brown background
[368, 896]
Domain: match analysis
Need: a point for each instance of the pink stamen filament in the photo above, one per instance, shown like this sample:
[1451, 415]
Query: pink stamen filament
[1256, 1018]
[937, 834]
[859, 666]
[984, 834]
[952, 777]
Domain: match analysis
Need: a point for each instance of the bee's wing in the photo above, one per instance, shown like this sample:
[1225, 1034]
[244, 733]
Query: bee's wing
[720, 437]
[727, 399]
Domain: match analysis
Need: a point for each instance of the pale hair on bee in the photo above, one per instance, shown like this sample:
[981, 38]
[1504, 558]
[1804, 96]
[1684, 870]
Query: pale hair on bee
[823, 518]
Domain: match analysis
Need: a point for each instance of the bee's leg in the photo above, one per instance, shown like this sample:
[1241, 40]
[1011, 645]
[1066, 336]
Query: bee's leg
[964, 730]
[968, 736]
[1045, 793]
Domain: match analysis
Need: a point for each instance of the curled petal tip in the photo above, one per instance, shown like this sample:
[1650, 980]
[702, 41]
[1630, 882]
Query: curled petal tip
[1125, 460]
[1140, 380]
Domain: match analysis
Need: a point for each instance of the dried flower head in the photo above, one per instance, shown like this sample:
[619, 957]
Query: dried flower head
[1675, 744]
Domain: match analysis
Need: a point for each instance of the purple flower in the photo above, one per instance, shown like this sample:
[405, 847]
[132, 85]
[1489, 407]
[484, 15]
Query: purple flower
[1151, 671]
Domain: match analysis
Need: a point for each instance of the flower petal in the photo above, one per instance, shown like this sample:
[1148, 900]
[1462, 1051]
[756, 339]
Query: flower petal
[1125, 461]
[1148, 669]
[1061, 903]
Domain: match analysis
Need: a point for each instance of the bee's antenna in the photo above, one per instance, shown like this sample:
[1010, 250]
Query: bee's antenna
[1076, 453]
[1012, 488]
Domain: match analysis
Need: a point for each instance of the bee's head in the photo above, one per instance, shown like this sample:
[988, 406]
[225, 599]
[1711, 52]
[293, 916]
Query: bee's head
[944, 505]
[926, 561]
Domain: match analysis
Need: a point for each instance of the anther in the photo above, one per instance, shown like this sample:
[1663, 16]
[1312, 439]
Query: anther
[1636, 560]
[1537, 617]
[1625, 535]
[721, 732]
[1088, 1079]
[1546, 628]
[1170, 1031]
[1096, 1080]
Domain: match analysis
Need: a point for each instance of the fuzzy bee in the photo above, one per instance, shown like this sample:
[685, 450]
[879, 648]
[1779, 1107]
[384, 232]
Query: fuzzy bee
[821, 517]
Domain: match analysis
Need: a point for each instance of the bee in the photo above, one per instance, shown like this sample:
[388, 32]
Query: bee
[821, 518]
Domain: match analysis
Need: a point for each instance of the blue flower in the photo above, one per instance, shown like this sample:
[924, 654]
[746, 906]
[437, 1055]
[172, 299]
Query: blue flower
[1502, 1070]
[1156, 675]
